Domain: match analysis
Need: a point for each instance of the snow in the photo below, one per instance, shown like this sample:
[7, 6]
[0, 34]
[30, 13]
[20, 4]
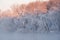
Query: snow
[49, 22]
[29, 36]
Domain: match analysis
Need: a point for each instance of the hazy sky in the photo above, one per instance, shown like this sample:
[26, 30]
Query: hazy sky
[5, 4]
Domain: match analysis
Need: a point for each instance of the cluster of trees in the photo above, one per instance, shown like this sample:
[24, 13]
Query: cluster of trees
[32, 23]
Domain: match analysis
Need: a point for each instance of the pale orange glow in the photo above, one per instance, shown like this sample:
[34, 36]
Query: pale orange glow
[17, 10]
[5, 4]
[36, 6]
[8, 13]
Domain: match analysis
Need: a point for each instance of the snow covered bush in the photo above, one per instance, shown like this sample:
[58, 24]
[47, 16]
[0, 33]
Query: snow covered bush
[32, 23]
[49, 22]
